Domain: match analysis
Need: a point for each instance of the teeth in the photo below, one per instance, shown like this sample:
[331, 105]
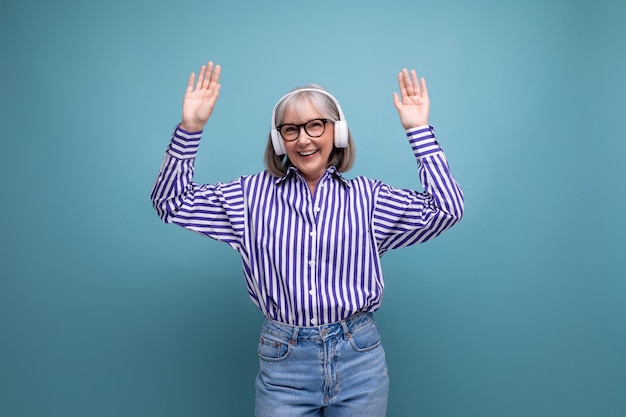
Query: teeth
[307, 153]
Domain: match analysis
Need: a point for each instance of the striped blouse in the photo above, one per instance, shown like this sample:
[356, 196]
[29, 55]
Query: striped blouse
[310, 259]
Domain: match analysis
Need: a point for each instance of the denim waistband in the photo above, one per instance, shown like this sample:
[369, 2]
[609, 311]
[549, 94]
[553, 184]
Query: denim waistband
[343, 328]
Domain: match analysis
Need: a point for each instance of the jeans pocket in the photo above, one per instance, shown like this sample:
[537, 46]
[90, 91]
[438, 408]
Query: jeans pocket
[272, 348]
[366, 338]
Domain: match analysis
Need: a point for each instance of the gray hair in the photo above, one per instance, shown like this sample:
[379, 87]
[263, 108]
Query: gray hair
[341, 158]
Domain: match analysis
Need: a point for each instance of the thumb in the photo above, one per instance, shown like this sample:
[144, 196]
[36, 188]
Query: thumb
[396, 101]
[190, 82]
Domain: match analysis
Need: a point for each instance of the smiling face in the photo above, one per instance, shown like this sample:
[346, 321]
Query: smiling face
[308, 154]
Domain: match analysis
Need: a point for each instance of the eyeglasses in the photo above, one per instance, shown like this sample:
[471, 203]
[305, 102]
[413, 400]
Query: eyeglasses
[314, 128]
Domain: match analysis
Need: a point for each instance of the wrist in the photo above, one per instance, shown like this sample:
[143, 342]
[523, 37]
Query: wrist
[412, 128]
[190, 127]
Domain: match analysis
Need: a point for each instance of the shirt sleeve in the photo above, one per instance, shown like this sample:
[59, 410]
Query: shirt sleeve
[407, 217]
[215, 211]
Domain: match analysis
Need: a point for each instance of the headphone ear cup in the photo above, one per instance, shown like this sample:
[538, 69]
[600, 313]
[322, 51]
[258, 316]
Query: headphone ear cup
[341, 134]
[277, 143]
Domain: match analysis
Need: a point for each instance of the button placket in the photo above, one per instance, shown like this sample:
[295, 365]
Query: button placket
[313, 251]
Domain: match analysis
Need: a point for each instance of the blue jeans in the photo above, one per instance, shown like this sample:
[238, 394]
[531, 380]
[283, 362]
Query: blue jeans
[334, 370]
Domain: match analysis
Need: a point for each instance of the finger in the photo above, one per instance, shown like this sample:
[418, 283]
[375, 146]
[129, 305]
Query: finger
[415, 83]
[201, 76]
[396, 100]
[410, 88]
[215, 76]
[190, 81]
[401, 84]
[423, 87]
[213, 97]
[207, 75]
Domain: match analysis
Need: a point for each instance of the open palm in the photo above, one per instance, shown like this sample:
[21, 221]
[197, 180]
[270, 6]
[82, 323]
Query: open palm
[199, 100]
[413, 104]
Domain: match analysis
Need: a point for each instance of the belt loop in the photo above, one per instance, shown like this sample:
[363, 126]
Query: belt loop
[346, 332]
[294, 336]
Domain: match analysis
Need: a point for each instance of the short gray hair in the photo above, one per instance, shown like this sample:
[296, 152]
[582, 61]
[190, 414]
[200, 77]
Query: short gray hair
[341, 158]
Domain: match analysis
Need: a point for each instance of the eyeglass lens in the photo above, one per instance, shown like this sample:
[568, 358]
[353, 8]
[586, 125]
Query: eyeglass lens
[313, 128]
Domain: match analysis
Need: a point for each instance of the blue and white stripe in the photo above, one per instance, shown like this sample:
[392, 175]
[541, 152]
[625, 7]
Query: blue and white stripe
[310, 259]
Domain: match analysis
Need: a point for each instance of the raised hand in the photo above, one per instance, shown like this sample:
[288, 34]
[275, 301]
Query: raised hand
[199, 100]
[413, 104]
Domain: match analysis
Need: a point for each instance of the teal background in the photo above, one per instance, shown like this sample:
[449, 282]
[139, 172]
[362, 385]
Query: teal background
[520, 310]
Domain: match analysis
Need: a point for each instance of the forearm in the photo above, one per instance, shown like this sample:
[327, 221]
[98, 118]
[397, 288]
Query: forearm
[434, 172]
[176, 173]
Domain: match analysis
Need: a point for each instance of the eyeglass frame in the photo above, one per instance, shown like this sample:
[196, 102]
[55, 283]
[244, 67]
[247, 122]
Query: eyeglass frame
[303, 125]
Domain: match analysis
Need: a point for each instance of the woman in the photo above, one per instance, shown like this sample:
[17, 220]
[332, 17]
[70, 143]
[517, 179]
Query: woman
[311, 240]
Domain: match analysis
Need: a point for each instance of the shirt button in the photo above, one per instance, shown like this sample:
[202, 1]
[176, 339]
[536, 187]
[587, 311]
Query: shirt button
[313, 234]
[313, 321]
[311, 263]
[317, 209]
[311, 292]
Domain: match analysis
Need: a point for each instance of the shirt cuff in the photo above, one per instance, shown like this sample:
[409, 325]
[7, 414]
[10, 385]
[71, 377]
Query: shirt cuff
[184, 144]
[423, 140]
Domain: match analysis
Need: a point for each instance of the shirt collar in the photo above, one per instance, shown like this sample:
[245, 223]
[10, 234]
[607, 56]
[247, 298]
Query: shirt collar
[330, 171]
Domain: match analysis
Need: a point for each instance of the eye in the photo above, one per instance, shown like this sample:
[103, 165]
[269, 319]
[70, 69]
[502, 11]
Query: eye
[289, 129]
[315, 124]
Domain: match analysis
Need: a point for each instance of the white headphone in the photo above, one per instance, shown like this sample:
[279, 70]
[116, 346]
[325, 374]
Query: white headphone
[341, 126]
